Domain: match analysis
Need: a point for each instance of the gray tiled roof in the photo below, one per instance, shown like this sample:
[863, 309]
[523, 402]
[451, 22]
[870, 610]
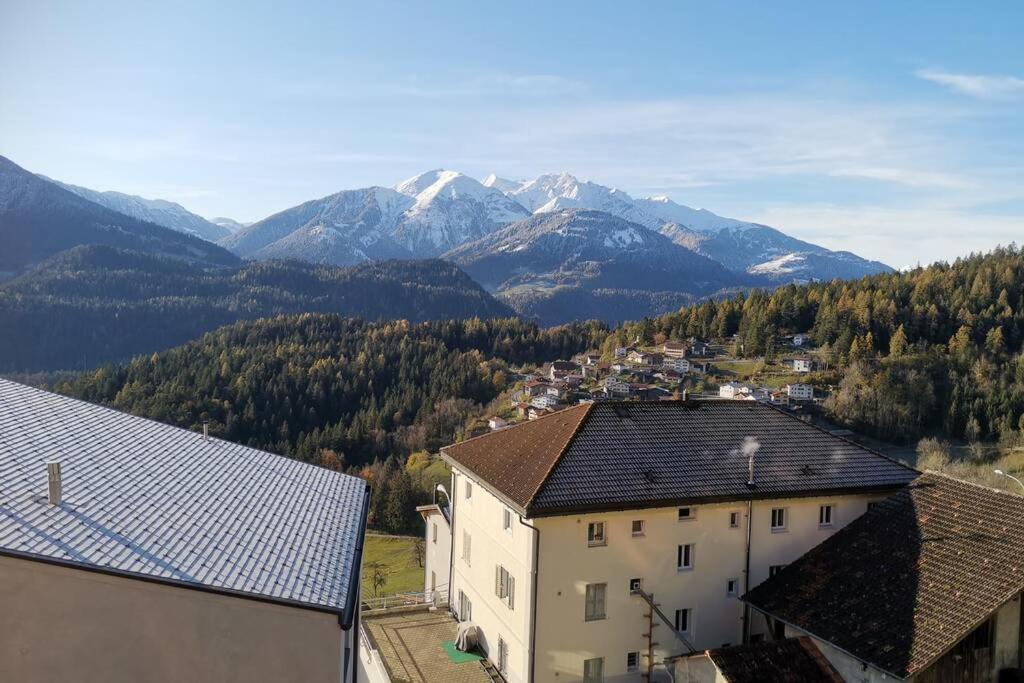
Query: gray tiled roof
[622, 455]
[158, 501]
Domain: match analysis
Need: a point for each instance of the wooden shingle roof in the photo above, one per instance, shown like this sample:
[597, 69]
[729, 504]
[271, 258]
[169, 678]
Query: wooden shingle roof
[905, 582]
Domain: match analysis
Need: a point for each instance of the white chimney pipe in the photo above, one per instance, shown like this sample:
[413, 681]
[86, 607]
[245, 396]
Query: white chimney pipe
[206, 431]
[750, 471]
[53, 482]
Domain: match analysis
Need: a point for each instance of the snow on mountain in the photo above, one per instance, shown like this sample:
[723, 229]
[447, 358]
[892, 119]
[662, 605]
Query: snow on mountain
[502, 184]
[344, 228]
[229, 224]
[451, 209]
[668, 211]
[554, 192]
[160, 211]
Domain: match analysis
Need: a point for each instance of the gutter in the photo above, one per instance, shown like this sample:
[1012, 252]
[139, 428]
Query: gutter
[533, 597]
[746, 574]
[451, 543]
[348, 617]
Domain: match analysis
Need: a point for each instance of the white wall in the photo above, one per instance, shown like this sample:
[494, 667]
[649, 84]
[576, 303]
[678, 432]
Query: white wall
[437, 553]
[491, 545]
[567, 565]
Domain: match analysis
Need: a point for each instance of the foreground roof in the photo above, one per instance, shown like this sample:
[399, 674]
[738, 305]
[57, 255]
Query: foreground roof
[909, 579]
[792, 660]
[161, 503]
[622, 455]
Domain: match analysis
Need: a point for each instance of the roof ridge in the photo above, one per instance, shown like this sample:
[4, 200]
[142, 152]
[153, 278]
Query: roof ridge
[515, 425]
[1003, 492]
[561, 454]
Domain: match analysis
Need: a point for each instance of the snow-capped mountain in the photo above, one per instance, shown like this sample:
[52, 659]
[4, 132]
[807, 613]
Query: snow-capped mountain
[345, 228]
[573, 263]
[229, 224]
[451, 209]
[502, 184]
[741, 246]
[160, 211]
[39, 218]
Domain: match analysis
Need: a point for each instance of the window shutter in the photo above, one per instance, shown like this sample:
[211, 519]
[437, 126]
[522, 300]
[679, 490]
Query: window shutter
[511, 592]
[497, 580]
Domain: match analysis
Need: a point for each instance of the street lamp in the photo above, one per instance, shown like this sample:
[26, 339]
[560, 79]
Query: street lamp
[1010, 476]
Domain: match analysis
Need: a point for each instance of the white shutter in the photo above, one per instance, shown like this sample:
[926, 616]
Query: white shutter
[511, 592]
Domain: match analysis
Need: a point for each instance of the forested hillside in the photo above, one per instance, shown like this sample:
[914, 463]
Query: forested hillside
[335, 391]
[94, 304]
[933, 350]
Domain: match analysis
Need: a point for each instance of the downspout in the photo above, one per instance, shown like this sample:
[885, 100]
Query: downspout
[533, 598]
[451, 546]
[1020, 630]
[746, 573]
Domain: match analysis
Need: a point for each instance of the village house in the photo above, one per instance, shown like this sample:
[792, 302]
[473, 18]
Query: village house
[802, 364]
[698, 348]
[800, 392]
[732, 390]
[925, 587]
[566, 529]
[561, 368]
[494, 423]
[135, 551]
[680, 365]
[674, 349]
[622, 351]
[800, 339]
[615, 387]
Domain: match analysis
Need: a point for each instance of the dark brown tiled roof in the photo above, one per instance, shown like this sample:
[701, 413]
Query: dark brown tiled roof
[622, 455]
[515, 461]
[793, 660]
[909, 579]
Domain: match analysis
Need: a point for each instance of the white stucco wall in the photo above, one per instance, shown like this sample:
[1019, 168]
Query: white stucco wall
[437, 553]
[567, 565]
[491, 545]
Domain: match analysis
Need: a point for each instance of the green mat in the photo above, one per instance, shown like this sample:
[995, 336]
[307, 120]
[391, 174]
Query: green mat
[457, 656]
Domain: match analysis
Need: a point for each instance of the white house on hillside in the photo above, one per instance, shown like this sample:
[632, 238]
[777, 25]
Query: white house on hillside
[565, 529]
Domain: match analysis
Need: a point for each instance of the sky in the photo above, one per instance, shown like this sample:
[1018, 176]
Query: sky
[893, 130]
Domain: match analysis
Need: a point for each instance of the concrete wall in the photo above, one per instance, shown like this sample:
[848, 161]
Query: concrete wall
[59, 624]
[437, 555]
[567, 565]
[491, 545]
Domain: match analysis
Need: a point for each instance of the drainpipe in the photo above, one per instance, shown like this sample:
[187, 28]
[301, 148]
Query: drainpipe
[533, 598]
[746, 573]
[452, 500]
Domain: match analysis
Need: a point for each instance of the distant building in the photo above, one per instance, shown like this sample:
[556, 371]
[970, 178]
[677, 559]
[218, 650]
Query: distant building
[496, 423]
[673, 349]
[561, 368]
[698, 348]
[731, 389]
[135, 551]
[800, 392]
[622, 351]
[800, 339]
[680, 365]
[802, 364]
[936, 572]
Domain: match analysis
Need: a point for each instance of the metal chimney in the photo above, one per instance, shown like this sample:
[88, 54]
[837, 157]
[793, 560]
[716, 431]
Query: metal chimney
[53, 482]
[206, 430]
[750, 471]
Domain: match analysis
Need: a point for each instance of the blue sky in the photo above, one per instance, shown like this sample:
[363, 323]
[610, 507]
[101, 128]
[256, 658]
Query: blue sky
[895, 130]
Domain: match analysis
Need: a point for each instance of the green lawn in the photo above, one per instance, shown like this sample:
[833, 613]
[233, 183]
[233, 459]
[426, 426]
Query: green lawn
[395, 553]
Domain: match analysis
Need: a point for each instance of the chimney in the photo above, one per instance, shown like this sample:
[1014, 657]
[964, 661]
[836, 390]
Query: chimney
[686, 394]
[750, 471]
[53, 482]
[206, 430]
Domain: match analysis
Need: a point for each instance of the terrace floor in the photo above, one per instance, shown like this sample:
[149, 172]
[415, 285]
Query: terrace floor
[409, 643]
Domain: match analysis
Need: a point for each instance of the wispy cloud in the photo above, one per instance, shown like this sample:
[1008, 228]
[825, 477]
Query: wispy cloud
[976, 85]
[906, 176]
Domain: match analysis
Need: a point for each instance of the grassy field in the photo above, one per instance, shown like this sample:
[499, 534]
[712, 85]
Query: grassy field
[396, 555]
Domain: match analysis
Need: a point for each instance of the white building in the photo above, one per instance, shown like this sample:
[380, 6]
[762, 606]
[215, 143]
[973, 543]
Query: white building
[437, 549]
[800, 339]
[495, 423]
[733, 390]
[561, 527]
[802, 364]
[800, 392]
[680, 365]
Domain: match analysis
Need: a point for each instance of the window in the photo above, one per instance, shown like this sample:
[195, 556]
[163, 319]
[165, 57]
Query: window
[593, 670]
[632, 661]
[467, 547]
[469, 490]
[872, 504]
[502, 656]
[465, 608]
[433, 532]
[732, 587]
[638, 527]
[595, 601]
[778, 519]
[775, 569]
[825, 513]
[506, 520]
[684, 620]
[687, 513]
[635, 585]
[505, 586]
[595, 534]
[734, 520]
[684, 557]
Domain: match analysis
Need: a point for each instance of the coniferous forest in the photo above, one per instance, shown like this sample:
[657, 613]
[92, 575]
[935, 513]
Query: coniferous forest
[936, 350]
